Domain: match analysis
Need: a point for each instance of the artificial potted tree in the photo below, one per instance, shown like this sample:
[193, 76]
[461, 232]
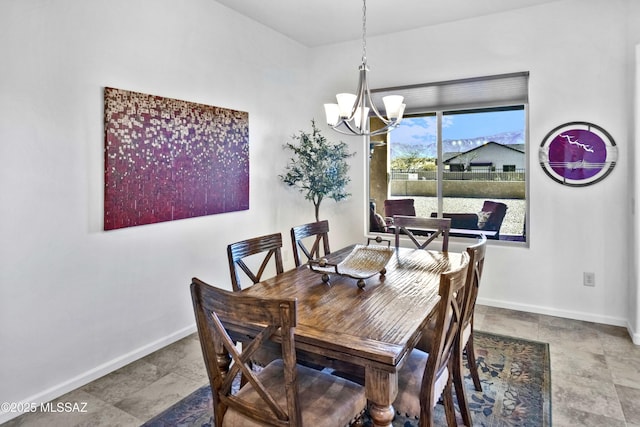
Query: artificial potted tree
[318, 168]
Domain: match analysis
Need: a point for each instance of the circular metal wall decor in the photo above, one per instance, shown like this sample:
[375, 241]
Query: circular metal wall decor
[578, 154]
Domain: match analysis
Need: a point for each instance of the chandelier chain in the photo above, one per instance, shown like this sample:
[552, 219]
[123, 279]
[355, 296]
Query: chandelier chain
[364, 31]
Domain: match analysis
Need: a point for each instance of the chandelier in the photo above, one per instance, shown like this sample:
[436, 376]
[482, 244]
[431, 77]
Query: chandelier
[350, 115]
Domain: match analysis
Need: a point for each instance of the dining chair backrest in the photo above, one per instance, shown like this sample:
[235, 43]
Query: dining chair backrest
[238, 251]
[436, 378]
[320, 231]
[448, 318]
[476, 254]
[476, 266]
[422, 231]
[425, 378]
[268, 396]
[213, 309]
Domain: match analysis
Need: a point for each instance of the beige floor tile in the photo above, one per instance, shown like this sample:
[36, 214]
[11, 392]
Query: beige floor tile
[559, 322]
[158, 396]
[580, 363]
[499, 324]
[112, 417]
[630, 401]
[481, 309]
[616, 340]
[478, 318]
[625, 370]
[181, 353]
[513, 314]
[198, 374]
[117, 385]
[585, 394]
[586, 340]
[563, 416]
[611, 330]
[192, 364]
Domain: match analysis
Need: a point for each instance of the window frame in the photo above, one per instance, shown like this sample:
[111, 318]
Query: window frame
[480, 106]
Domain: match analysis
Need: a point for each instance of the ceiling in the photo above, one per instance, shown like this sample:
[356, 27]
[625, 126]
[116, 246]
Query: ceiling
[320, 22]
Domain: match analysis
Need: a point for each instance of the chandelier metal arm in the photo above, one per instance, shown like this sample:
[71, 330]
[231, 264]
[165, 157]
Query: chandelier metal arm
[363, 100]
[355, 131]
[374, 110]
[352, 129]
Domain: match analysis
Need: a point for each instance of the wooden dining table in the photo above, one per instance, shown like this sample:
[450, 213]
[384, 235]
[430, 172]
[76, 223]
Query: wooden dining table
[372, 329]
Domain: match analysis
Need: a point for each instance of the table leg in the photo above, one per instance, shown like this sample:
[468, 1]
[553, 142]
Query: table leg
[381, 389]
[381, 416]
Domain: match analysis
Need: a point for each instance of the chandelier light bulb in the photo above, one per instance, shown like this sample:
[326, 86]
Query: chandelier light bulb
[393, 106]
[332, 111]
[346, 102]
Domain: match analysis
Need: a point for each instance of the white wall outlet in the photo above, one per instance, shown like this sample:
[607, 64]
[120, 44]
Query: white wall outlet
[589, 279]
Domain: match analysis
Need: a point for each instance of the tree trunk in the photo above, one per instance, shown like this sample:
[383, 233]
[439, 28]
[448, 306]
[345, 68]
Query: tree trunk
[317, 199]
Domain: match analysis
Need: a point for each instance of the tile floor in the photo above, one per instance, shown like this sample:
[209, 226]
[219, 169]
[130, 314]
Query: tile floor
[595, 376]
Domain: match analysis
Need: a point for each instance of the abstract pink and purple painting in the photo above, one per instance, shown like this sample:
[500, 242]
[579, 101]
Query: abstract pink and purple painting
[167, 159]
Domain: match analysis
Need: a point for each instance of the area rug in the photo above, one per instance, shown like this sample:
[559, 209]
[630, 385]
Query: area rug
[516, 390]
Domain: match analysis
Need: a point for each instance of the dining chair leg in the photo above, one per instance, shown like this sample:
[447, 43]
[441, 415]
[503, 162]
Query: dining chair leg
[471, 361]
[449, 408]
[458, 384]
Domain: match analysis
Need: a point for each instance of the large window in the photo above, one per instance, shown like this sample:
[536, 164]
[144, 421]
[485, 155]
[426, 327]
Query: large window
[462, 157]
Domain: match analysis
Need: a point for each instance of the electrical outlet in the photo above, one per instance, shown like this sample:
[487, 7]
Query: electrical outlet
[589, 279]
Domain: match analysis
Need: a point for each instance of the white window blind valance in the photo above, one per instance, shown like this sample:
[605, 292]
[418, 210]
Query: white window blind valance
[490, 91]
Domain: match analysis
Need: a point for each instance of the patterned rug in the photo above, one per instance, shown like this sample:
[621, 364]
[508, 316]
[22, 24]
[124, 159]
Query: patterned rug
[515, 378]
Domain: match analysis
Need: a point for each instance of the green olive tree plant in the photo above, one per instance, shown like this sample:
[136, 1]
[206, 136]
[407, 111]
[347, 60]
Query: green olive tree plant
[318, 168]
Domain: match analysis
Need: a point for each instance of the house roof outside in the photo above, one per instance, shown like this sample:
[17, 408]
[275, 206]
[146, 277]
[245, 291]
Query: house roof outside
[448, 156]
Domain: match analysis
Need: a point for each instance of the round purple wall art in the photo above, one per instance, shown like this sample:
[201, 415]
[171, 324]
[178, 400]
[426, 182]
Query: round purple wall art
[578, 154]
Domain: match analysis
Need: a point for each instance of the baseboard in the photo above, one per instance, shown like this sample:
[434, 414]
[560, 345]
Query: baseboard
[576, 315]
[99, 371]
[635, 336]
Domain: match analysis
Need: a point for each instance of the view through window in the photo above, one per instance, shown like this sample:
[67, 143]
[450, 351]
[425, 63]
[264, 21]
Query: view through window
[468, 165]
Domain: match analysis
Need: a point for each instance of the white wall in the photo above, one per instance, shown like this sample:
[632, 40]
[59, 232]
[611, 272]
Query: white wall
[633, 105]
[634, 226]
[577, 54]
[77, 302]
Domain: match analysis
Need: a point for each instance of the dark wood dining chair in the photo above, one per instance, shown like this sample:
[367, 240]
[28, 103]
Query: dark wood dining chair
[319, 231]
[474, 275]
[425, 377]
[238, 251]
[422, 231]
[464, 345]
[271, 396]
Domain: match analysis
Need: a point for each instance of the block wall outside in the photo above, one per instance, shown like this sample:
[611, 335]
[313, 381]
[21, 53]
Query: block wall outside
[459, 188]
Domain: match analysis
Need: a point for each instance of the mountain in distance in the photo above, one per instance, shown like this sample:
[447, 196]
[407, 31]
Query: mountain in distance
[402, 149]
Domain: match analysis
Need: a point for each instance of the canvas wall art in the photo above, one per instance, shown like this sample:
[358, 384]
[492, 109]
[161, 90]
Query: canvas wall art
[578, 154]
[167, 159]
